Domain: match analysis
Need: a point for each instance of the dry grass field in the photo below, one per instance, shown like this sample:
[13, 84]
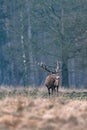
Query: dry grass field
[32, 109]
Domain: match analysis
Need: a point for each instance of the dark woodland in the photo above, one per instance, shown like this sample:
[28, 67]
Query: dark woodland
[35, 31]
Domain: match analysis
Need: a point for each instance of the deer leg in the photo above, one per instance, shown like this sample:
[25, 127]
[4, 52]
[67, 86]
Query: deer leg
[49, 91]
[52, 90]
[57, 88]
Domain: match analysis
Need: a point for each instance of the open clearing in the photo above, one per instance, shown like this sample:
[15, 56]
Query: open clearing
[32, 109]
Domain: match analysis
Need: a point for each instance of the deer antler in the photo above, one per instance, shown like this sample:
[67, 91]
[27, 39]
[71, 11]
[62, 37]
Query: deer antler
[47, 69]
[58, 67]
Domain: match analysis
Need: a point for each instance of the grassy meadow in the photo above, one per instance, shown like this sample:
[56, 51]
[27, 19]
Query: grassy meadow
[32, 109]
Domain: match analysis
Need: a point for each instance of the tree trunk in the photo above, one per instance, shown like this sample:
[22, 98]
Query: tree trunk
[65, 80]
[23, 51]
[31, 72]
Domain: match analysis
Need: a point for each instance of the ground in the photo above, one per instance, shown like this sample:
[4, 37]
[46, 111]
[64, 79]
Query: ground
[33, 109]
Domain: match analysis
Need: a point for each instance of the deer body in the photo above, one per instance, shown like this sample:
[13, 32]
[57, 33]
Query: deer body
[52, 83]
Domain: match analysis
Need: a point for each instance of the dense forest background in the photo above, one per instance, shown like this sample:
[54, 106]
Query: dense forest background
[47, 31]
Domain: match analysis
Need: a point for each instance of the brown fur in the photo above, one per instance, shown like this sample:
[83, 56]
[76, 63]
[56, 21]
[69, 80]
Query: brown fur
[52, 82]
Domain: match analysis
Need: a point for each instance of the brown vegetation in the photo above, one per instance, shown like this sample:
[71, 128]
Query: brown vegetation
[55, 113]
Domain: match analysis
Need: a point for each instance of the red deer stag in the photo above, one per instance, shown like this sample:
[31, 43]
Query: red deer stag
[52, 80]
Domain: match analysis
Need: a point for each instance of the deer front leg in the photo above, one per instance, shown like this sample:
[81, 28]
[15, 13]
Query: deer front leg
[49, 91]
[52, 90]
[57, 88]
